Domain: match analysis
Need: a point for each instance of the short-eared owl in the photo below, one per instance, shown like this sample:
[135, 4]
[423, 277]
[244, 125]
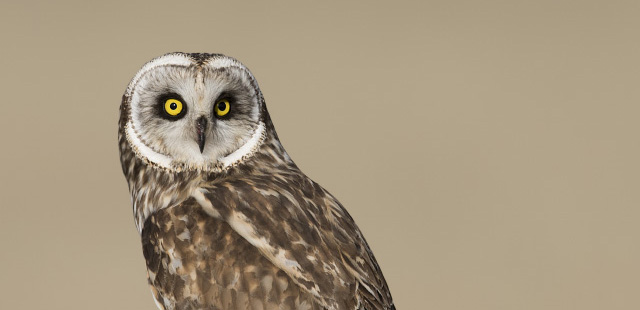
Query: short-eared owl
[227, 220]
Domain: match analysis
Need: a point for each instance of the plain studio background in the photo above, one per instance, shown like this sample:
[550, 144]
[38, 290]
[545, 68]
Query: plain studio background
[489, 151]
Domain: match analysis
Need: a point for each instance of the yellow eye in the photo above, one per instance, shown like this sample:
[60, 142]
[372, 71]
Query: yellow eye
[173, 107]
[222, 107]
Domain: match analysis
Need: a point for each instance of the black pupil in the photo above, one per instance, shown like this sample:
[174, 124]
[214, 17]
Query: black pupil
[222, 106]
[173, 106]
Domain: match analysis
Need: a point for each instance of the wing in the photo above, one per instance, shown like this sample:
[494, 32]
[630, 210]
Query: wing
[195, 261]
[303, 230]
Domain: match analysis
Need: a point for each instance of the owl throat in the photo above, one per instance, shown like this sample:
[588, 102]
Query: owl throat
[156, 181]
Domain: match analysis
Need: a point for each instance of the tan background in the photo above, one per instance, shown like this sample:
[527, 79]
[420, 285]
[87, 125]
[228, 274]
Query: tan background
[488, 150]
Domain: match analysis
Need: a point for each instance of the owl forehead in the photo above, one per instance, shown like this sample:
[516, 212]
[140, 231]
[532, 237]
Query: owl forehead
[198, 75]
[196, 62]
[193, 83]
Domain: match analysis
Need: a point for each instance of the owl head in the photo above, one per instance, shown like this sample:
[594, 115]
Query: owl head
[193, 112]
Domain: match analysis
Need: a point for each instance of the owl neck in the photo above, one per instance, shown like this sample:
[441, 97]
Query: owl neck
[153, 188]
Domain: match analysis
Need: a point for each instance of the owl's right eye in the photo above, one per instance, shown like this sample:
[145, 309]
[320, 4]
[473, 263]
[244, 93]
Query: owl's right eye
[173, 108]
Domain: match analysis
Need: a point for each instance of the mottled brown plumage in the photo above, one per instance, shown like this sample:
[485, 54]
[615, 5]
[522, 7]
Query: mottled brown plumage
[245, 231]
[199, 262]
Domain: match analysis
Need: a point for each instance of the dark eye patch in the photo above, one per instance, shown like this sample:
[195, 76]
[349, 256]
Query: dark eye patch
[228, 98]
[160, 106]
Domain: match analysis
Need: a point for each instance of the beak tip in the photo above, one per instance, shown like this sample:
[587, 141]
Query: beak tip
[201, 126]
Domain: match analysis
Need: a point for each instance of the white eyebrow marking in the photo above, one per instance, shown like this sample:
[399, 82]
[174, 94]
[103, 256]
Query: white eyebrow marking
[170, 59]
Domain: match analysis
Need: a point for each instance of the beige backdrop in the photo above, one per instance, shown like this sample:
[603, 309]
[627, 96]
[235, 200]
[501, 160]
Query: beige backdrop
[489, 151]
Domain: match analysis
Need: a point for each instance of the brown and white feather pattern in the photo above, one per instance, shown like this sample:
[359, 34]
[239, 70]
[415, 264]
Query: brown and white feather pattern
[256, 235]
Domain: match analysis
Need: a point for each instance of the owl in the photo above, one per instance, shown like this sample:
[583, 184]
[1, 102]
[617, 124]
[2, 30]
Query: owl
[227, 219]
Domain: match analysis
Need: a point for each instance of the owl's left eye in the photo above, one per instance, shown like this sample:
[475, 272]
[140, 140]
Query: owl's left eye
[222, 107]
[173, 107]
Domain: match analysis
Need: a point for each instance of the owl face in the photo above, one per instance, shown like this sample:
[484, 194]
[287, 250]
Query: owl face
[189, 112]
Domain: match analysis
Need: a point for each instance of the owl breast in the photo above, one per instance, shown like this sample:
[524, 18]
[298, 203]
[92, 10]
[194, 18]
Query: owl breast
[195, 261]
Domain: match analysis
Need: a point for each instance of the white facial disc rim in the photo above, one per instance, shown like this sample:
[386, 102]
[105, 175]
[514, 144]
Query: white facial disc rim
[243, 152]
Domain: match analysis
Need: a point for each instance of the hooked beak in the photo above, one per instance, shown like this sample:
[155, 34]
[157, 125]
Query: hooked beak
[201, 127]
